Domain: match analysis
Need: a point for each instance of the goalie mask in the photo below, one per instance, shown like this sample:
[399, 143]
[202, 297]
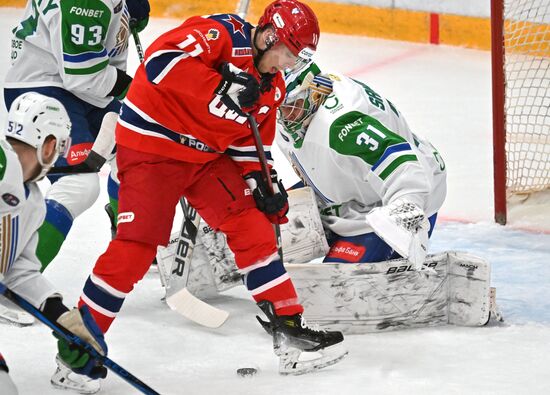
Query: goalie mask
[32, 118]
[307, 90]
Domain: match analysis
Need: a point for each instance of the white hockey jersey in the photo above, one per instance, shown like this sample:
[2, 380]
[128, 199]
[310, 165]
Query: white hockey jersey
[359, 153]
[22, 211]
[73, 44]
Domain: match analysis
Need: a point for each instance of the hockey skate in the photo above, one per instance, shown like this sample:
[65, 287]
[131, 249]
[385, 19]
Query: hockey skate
[300, 349]
[14, 316]
[65, 378]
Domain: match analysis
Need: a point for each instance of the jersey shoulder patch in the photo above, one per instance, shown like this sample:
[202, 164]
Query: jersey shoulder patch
[12, 190]
[239, 30]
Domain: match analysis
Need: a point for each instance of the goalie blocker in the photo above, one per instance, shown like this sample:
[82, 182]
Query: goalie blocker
[353, 298]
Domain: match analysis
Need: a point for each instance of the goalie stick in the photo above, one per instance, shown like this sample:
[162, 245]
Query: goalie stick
[72, 338]
[101, 149]
[183, 301]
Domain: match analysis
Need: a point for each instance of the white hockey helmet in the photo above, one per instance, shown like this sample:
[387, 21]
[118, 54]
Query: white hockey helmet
[307, 89]
[33, 117]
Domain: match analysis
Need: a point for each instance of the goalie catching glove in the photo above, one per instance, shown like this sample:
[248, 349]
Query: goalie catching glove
[81, 323]
[274, 205]
[403, 225]
[239, 90]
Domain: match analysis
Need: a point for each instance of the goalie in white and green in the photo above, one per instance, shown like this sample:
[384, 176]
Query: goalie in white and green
[378, 185]
[373, 192]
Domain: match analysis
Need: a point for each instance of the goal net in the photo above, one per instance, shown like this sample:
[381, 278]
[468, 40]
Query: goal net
[521, 99]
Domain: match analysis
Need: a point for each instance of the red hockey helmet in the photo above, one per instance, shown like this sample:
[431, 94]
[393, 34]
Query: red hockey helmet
[295, 25]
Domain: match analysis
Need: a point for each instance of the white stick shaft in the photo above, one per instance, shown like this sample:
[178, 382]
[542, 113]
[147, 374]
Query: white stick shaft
[105, 141]
[242, 8]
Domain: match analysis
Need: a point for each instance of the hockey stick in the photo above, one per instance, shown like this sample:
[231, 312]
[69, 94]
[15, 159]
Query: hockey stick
[183, 301]
[137, 41]
[72, 338]
[178, 296]
[102, 147]
[263, 163]
[242, 8]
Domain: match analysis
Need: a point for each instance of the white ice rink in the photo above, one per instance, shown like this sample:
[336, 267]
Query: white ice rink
[445, 94]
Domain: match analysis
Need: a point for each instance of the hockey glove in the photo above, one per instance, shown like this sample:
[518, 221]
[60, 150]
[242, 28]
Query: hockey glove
[81, 323]
[139, 14]
[241, 88]
[122, 84]
[274, 205]
[403, 225]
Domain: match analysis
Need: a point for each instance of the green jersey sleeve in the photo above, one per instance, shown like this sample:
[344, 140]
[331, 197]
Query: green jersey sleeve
[360, 135]
[84, 26]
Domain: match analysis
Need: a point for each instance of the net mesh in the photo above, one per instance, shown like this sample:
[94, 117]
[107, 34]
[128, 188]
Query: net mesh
[527, 102]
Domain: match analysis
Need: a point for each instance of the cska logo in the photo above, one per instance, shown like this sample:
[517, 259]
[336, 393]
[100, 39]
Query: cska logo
[235, 24]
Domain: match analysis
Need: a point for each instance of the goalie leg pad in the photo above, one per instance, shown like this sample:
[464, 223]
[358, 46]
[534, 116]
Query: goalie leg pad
[303, 236]
[214, 269]
[469, 289]
[373, 297]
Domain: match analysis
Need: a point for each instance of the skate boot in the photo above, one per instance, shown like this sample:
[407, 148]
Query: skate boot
[300, 348]
[11, 314]
[65, 378]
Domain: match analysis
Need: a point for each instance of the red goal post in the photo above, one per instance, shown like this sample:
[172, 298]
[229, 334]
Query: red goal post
[520, 34]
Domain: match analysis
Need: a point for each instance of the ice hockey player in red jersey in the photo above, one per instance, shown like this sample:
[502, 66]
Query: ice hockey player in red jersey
[183, 131]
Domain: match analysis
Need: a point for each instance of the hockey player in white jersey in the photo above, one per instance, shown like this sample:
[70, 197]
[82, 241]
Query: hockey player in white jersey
[378, 185]
[378, 188]
[37, 133]
[76, 52]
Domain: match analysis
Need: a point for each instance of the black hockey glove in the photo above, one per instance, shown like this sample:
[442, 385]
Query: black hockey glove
[241, 88]
[122, 84]
[274, 205]
[139, 13]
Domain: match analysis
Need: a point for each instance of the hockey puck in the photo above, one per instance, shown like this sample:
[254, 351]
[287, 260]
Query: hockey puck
[247, 372]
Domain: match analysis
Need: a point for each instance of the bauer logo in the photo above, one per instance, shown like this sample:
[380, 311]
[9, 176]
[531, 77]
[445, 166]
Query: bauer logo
[78, 153]
[408, 268]
[346, 251]
[125, 217]
[278, 21]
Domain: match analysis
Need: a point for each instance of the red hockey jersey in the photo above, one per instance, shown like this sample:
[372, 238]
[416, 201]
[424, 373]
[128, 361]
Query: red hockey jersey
[171, 109]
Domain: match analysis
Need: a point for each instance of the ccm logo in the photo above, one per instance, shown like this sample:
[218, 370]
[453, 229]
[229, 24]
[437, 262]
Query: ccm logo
[125, 217]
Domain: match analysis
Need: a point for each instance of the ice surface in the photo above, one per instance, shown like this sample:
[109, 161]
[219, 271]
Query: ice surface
[444, 93]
